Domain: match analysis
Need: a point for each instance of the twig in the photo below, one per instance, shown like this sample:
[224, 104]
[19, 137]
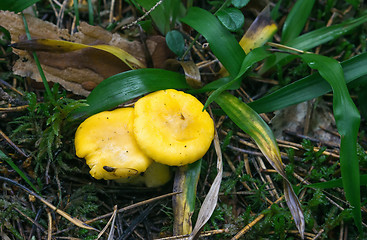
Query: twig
[10, 142]
[132, 206]
[271, 187]
[233, 168]
[112, 219]
[6, 84]
[318, 234]
[14, 109]
[73, 220]
[137, 221]
[251, 224]
[277, 45]
[142, 17]
[31, 220]
[203, 234]
[49, 229]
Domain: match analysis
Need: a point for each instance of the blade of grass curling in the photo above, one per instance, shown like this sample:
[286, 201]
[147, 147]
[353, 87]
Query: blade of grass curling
[222, 43]
[253, 57]
[20, 172]
[347, 120]
[183, 204]
[313, 39]
[296, 19]
[126, 86]
[309, 87]
[251, 123]
[211, 199]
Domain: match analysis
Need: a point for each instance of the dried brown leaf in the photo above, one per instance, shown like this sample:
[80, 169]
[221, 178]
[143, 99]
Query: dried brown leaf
[82, 70]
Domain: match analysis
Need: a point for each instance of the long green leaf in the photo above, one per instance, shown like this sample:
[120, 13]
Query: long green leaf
[336, 183]
[16, 5]
[128, 85]
[217, 84]
[20, 172]
[253, 57]
[309, 87]
[313, 39]
[251, 123]
[347, 121]
[222, 43]
[296, 19]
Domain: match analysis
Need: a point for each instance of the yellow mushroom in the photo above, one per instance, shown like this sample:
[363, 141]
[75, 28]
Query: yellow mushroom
[107, 142]
[156, 175]
[171, 127]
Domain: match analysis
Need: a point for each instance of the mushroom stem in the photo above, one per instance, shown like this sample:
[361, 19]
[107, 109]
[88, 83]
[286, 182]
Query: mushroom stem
[186, 179]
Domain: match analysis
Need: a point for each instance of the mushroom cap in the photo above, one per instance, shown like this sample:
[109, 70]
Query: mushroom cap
[107, 142]
[156, 175]
[171, 127]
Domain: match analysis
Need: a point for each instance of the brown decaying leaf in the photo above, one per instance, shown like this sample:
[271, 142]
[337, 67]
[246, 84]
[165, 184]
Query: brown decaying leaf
[192, 73]
[82, 70]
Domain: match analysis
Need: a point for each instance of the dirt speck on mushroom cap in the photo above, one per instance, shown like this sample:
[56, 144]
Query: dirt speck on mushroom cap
[171, 128]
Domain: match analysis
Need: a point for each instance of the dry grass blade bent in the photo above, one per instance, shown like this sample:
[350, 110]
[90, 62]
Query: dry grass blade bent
[210, 201]
[251, 123]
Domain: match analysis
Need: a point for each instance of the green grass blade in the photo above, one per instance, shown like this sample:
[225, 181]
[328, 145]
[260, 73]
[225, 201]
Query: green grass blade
[251, 123]
[38, 64]
[296, 19]
[90, 12]
[217, 84]
[20, 172]
[16, 6]
[347, 121]
[253, 57]
[323, 35]
[128, 85]
[313, 39]
[76, 12]
[309, 87]
[222, 43]
[336, 183]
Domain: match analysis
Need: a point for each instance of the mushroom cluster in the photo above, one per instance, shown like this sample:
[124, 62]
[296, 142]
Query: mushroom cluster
[167, 127]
